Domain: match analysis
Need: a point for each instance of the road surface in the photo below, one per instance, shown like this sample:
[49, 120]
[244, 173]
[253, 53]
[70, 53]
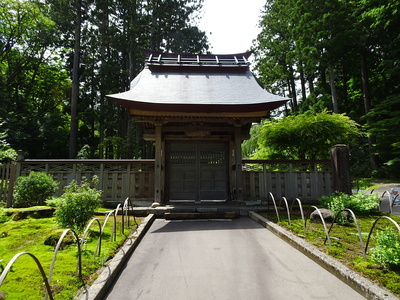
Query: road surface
[236, 259]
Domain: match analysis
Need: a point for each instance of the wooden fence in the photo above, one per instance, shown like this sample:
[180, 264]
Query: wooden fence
[7, 180]
[306, 180]
[119, 179]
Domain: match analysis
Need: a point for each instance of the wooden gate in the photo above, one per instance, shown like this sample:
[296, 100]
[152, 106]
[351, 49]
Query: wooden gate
[197, 172]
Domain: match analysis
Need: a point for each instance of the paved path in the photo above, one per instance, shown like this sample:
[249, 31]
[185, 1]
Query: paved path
[385, 199]
[236, 259]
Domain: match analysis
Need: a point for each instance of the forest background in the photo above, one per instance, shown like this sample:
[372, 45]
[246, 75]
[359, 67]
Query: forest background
[59, 59]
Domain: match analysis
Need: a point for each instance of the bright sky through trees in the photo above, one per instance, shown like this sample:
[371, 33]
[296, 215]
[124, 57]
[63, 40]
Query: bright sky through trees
[231, 25]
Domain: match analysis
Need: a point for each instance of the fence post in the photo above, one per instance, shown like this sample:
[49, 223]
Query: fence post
[15, 172]
[341, 169]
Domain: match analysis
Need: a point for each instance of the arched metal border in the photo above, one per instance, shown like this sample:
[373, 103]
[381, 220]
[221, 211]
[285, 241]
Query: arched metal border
[12, 261]
[323, 222]
[287, 209]
[358, 229]
[373, 226]
[59, 243]
[276, 209]
[98, 247]
[302, 214]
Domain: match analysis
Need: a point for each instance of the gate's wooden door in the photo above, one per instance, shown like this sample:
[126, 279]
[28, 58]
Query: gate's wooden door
[197, 171]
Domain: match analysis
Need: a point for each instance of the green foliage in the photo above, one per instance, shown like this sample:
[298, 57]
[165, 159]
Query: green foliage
[250, 146]
[34, 189]
[33, 83]
[29, 235]
[77, 205]
[3, 217]
[384, 117]
[346, 246]
[6, 152]
[36, 62]
[336, 204]
[358, 203]
[315, 52]
[386, 253]
[335, 251]
[304, 136]
[363, 203]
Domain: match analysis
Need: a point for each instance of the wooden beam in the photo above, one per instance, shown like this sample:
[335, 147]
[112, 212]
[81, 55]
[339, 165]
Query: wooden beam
[158, 164]
[210, 118]
[238, 164]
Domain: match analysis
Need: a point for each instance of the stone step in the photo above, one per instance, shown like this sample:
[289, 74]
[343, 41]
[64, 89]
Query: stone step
[199, 215]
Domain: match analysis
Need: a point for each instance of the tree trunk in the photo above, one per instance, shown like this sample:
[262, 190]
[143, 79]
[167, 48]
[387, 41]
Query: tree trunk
[333, 89]
[73, 140]
[367, 107]
[310, 80]
[132, 41]
[293, 88]
[154, 26]
[303, 85]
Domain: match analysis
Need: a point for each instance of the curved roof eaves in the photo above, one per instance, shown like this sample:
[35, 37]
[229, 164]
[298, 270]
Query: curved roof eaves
[195, 88]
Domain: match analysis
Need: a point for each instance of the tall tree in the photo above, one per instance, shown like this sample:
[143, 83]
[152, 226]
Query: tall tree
[46, 45]
[272, 50]
[73, 140]
[32, 82]
[348, 53]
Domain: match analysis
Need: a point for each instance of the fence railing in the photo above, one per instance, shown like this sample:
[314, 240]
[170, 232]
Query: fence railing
[118, 178]
[134, 179]
[7, 180]
[306, 179]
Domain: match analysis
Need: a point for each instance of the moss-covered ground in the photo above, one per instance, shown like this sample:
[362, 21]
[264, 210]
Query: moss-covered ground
[28, 235]
[345, 243]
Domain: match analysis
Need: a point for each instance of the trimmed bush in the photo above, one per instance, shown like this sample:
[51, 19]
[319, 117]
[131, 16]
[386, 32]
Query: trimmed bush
[77, 205]
[34, 189]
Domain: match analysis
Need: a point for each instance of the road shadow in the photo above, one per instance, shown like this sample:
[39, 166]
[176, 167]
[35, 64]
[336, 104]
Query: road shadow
[204, 224]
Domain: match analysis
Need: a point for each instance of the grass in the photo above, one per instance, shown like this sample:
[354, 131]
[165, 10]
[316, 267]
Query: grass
[28, 235]
[371, 183]
[345, 244]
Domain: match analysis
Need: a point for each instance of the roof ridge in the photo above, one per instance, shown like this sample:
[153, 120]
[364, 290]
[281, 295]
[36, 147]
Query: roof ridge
[174, 59]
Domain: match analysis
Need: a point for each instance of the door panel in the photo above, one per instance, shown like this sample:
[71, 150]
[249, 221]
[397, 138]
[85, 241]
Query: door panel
[182, 173]
[197, 171]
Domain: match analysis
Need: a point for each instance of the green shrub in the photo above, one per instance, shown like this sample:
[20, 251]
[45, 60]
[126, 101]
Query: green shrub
[358, 203]
[386, 253]
[77, 205]
[336, 204]
[3, 217]
[362, 203]
[34, 189]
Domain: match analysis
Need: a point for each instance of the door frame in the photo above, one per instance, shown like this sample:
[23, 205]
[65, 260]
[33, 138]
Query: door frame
[226, 147]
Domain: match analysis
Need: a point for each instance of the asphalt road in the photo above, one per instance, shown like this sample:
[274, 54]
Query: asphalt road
[236, 259]
[385, 199]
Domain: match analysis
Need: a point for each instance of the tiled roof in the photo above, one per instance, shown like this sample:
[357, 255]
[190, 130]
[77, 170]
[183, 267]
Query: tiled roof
[201, 83]
[239, 61]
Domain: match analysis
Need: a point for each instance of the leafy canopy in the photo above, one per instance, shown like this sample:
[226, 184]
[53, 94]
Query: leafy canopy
[304, 136]
[6, 152]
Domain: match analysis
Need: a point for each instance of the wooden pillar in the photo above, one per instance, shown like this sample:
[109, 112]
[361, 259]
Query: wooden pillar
[158, 164]
[341, 169]
[238, 163]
